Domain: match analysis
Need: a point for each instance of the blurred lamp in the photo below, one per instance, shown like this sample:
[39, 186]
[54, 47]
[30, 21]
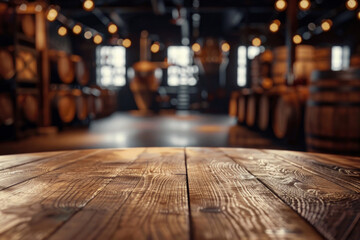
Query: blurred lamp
[52, 14]
[155, 47]
[88, 34]
[304, 5]
[274, 26]
[297, 39]
[62, 31]
[196, 47]
[77, 29]
[225, 47]
[326, 25]
[112, 28]
[280, 5]
[126, 42]
[98, 39]
[256, 42]
[88, 5]
[351, 4]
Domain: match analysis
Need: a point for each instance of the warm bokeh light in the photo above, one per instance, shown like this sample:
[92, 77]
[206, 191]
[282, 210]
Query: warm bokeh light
[112, 28]
[88, 34]
[280, 5]
[98, 39]
[304, 5]
[126, 42]
[52, 14]
[351, 4]
[256, 42]
[297, 39]
[155, 47]
[274, 27]
[225, 47]
[196, 47]
[77, 29]
[62, 31]
[326, 25]
[88, 5]
[358, 15]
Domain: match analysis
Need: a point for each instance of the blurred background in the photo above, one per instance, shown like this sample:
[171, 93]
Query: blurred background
[281, 74]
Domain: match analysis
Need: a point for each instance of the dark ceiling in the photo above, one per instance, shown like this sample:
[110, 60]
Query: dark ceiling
[227, 19]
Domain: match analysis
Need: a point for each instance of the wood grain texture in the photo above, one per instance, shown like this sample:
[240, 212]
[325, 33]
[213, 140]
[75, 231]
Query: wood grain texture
[228, 202]
[148, 200]
[331, 208]
[38, 207]
[8, 161]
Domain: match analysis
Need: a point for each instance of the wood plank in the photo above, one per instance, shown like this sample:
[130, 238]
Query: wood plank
[36, 208]
[148, 200]
[348, 177]
[228, 202]
[8, 161]
[332, 209]
[18, 174]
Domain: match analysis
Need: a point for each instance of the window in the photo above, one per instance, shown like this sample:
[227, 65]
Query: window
[183, 73]
[244, 54]
[110, 66]
[340, 58]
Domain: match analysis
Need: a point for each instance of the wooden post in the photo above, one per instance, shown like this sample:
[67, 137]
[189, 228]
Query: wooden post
[291, 27]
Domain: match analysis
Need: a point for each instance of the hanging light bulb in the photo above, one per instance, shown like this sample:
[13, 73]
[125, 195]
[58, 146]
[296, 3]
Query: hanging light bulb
[98, 39]
[304, 5]
[88, 5]
[196, 47]
[297, 39]
[126, 42]
[274, 26]
[112, 28]
[326, 25]
[256, 42]
[351, 4]
[88, 34]
[52, 14]
[225, 47]
[155, 47]
[77, 29]
[280, 5]
[62, 31]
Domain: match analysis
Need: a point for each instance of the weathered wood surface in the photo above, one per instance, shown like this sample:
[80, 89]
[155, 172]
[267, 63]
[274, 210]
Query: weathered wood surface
[177, 193]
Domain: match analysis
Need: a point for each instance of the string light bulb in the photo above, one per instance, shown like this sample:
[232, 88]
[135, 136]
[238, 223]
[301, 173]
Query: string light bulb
[126, 42]
[326, 25]
[77, 29]
[88, 34]
[256, 42]
[351, 4]
[196, 47]
[155, 47]
[112, 28]
[225, 47]
[62, 31]
[280, 5]
[98, 39]
[52, 14]
[304, 5]
[297, 39]
[274, 26]
[88, 5]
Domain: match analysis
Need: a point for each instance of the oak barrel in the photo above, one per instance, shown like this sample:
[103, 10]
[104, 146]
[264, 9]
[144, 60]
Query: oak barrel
[333, 112]
[234, 98]
[64, 105]
[242, 104]
[28, 24]
[82, 110]
[29, 105]
[288, 114]
[62, 67]
[82, 73]
[7, 69]
[6, 109]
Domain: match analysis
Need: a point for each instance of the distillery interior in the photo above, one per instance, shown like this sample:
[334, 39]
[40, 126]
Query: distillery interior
[137, 73]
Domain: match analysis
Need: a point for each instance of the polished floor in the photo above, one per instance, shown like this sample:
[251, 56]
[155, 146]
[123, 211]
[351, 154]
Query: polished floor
[135, 130]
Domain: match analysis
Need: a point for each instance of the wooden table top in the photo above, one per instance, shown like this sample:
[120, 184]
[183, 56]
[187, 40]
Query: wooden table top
[179, 193]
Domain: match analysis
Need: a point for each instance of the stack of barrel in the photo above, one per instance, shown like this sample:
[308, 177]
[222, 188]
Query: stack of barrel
[270, 105]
